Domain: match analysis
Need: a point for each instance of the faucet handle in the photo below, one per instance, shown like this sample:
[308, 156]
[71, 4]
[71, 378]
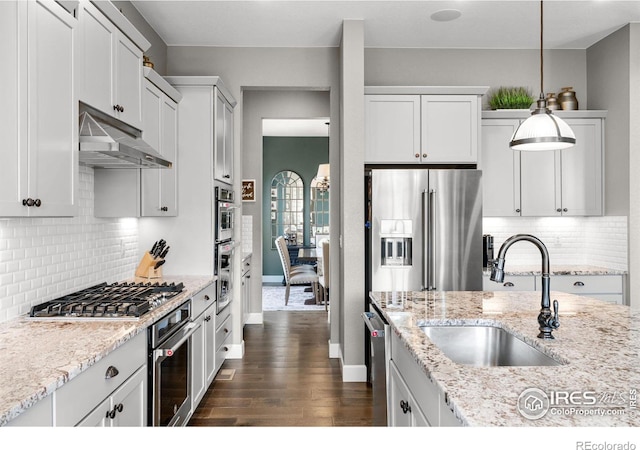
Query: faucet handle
[555, 323]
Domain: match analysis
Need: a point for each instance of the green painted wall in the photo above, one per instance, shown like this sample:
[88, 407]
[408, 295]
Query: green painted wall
[301, 155]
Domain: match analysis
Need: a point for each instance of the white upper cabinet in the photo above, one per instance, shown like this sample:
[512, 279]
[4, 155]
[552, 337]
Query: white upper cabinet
[500, 169]
[223, 170]
[392, 128]
[547, 183]
[110, 75]
[450, 125]
[38, 161]
[422, 125]
[160, 120]
[146, 192]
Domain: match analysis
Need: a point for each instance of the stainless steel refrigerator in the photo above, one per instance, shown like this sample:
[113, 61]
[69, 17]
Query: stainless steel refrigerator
[425, 229]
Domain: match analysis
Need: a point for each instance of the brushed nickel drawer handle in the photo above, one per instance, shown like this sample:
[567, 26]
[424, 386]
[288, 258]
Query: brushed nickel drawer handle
[508, 284]
[111, 372]
[578, 283]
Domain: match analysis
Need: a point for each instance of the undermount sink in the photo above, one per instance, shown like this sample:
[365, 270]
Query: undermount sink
[485, 346]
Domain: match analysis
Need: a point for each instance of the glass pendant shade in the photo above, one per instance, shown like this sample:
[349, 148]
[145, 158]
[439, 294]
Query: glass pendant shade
[542, 131]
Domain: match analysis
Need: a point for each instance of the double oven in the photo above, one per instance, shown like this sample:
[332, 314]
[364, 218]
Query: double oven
[225, 213]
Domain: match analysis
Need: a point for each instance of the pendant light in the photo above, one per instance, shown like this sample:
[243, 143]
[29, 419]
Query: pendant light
[543, 130]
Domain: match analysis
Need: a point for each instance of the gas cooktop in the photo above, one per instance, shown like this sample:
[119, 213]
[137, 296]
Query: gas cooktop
[109, 301]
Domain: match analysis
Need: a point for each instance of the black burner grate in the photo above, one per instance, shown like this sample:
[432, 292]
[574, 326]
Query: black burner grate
[117, 300]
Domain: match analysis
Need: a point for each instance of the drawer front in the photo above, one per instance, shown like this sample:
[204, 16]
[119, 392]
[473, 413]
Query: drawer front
[202, 300]
[222, 316]
[223, 332]
[510, 283]
[222, 351]
[587, 284]
[80, 396]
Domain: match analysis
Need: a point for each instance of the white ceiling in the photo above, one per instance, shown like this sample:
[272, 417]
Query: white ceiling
[391, 23]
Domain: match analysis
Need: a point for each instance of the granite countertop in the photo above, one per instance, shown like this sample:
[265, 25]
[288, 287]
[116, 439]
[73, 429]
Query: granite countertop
[41, 355]
[598, 342]
[568, 269]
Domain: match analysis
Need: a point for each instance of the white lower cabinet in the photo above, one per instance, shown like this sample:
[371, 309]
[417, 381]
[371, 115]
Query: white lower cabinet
[123, 408]
[510, 283]
[404, 410]
[609, 288]
[113, 392]
[223, 338]
[203, 308]
[39, 415]
[412, 398]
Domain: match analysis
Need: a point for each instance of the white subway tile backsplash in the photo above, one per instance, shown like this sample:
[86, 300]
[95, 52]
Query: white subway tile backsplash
[44, 258]
[247, 234]
[596, 241]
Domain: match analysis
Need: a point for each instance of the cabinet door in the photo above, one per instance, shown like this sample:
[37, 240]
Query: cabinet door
[450, 128]
[130, 401]
[53, 118]
[99, 417]
[96, 58]
[392, 128]
[540, 183]
[169, 148]
[228, 143]
[128, 81]
[152, 130]
[582, 170]
[404, 410]
[198, 386]
[500, 167]
[223, 140]
[210, 346]
[13, 119]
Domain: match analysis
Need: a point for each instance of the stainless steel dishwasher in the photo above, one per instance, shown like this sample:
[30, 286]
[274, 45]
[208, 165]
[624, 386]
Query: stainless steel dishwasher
[377, 331]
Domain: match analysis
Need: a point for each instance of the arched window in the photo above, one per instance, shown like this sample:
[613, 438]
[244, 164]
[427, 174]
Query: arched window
[287, 208]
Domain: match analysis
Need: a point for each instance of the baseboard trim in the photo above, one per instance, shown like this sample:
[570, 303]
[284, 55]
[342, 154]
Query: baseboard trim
[236, 351]
[334, 350]
[272, 279]
[255, 319]
[354, 374]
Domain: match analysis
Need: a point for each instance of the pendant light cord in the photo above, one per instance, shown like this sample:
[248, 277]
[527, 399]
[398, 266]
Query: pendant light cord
[541, 57]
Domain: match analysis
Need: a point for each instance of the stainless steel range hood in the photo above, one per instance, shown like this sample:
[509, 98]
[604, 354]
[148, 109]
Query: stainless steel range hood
[108, 143]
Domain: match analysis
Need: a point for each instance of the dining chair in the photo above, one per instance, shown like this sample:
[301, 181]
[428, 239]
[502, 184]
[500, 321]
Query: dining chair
[324, 278]
[299, 276]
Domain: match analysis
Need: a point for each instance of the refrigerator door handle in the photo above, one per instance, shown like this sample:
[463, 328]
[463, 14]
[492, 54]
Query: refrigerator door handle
[428, 238]
[432, 239]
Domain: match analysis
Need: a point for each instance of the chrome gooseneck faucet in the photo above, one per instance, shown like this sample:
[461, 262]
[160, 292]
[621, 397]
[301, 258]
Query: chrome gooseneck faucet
[546, 320]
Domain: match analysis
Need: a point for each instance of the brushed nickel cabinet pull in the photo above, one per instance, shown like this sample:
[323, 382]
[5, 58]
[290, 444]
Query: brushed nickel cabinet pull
[111, 372]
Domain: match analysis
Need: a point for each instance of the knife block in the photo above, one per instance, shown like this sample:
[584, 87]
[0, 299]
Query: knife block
[146, 267]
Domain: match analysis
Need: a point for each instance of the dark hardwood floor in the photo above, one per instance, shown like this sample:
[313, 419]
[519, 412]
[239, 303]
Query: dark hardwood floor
[286, 379]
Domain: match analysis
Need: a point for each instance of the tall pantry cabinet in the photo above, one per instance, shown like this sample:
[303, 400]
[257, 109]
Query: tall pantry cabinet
[205, 145]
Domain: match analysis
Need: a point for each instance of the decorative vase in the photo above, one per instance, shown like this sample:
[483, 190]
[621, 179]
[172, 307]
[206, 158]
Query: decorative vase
[567, 99]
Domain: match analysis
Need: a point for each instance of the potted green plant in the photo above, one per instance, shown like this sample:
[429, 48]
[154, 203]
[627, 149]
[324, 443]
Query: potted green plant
[511, 98]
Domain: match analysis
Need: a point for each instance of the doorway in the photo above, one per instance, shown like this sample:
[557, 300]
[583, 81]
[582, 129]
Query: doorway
[295, 202]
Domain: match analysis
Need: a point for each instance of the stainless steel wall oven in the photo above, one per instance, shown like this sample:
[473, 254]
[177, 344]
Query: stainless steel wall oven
[170, 358]
[225, 213]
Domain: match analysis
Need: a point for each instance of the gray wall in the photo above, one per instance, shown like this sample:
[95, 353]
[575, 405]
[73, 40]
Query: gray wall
[613, 70]
[158, 51]
[494, 68]
[302, 155]
[609, 89]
